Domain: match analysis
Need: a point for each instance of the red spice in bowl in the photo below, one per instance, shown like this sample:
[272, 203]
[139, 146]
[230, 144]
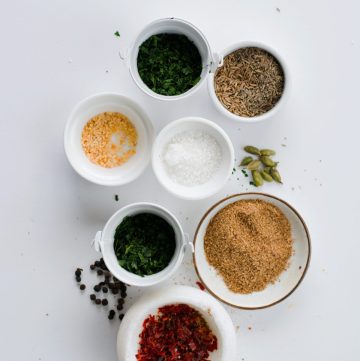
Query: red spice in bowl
[178, 332]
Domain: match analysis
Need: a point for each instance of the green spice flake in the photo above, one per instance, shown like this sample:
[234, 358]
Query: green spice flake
[144, 244]
[116, 197]
[169, 64]
[117, 33]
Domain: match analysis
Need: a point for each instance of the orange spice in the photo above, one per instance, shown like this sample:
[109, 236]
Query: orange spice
[109, 139]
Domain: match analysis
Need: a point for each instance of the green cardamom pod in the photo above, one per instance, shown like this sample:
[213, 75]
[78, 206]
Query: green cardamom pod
[275, 175]
[266, 177]
[254, 164]
[267, 152]
[267, 170]
[268, 162]
[252, 150]
[246, 161]
[258, 180]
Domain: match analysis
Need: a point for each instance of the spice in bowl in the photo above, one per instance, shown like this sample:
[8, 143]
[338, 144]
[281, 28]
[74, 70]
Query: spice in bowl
[109, 139]
[191, 158]
[250, 82]
[144, 244]
[169, 64]
[249, 243]
[177, 332]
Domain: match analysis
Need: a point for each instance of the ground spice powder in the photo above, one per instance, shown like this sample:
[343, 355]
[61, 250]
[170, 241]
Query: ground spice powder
[109, 139]
[249, 243]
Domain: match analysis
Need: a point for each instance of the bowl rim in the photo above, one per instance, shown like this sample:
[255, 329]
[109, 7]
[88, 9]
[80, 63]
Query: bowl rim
[137, 108]
[280, 102]
[304, 271]
[200, 120]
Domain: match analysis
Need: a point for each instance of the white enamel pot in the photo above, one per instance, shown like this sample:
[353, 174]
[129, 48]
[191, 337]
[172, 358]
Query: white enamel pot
[104, 243]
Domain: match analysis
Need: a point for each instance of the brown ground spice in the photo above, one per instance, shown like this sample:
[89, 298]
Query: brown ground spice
[249, 243]
[250, 82]
[109, 139]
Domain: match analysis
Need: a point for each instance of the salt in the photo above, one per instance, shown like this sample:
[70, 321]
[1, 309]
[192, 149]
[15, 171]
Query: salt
[191, 158]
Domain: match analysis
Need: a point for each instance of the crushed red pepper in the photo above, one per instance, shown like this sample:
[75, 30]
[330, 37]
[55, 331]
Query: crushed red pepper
[200, 285]
[178, 332]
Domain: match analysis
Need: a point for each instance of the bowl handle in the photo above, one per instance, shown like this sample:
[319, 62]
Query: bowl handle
[188, 243]
[96, 242]
[216, 61]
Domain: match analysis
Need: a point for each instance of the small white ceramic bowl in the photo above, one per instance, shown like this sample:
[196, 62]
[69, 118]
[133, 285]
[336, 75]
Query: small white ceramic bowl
[289, 280]
[277, 106]
[175, 26]
[104, 243]
[221, 175]
[212, 311]
[83, 112]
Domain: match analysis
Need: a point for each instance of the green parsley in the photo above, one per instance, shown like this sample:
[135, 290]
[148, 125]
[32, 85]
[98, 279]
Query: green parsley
[144, 244]
[117, 33]
[169, 64]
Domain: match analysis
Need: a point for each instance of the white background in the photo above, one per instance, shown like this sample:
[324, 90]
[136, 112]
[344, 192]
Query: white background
[54, 53]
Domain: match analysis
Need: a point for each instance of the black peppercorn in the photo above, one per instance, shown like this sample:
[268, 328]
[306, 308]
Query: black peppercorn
[115, 291]
[105, 289]
[121, 316]
[99, 272]
[98, 301]
[92, 267]
[97, 264]
[92, 297]
[78, 279]
[111, 314]
[82, 287]
[121, 301]
[119, 307]
[78, 272]
[123, 294]
[104, 302]
[97, 288]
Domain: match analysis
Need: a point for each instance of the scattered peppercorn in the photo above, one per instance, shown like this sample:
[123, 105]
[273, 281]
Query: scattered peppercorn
[78, 279]
[92, 267]
[82, 287]
[105, 289]
[78, 272]
[98, 301]
[123, 294]
[92, 297]
[100, 272]
[111, 314]
[121, 316]
[115, 291]
[104, 302]
[97, 288]
[119, 307]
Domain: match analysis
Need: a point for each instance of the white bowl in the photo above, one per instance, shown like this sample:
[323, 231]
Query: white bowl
[289, 280]
[175, 26]
[221, 175]
[212, 311]
[277, 106]
[104, 243]
[83, 112]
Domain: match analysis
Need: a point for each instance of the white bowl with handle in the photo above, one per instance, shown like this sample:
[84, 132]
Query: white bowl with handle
[289, 279]
[213, 312]
[104, 243]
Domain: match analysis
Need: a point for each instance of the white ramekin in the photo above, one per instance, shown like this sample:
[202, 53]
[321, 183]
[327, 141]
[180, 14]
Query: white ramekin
[277, 106]
[176, 26]
[83, 112]
[220, 177]
[104, 243]
[213, 312]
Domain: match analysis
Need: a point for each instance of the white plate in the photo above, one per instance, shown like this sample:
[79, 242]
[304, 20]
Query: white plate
[213, 312]
[83, 112]
[289, 280]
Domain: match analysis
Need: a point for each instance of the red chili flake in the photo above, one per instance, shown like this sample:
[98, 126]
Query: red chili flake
[177, 332]
[201, 286]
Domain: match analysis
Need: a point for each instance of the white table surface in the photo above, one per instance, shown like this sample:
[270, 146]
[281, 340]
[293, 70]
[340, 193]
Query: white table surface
[54, 53]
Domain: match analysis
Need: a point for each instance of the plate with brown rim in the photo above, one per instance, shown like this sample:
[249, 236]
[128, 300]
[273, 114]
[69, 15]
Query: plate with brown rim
[288, 280]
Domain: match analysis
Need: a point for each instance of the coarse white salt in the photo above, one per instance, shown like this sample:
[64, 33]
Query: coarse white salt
[192, 157]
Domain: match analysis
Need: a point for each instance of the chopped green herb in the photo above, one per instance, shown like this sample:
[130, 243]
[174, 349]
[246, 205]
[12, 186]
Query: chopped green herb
[117, 33]
[169, 64]
[116, 197]
[253, 184]
[144, 244]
